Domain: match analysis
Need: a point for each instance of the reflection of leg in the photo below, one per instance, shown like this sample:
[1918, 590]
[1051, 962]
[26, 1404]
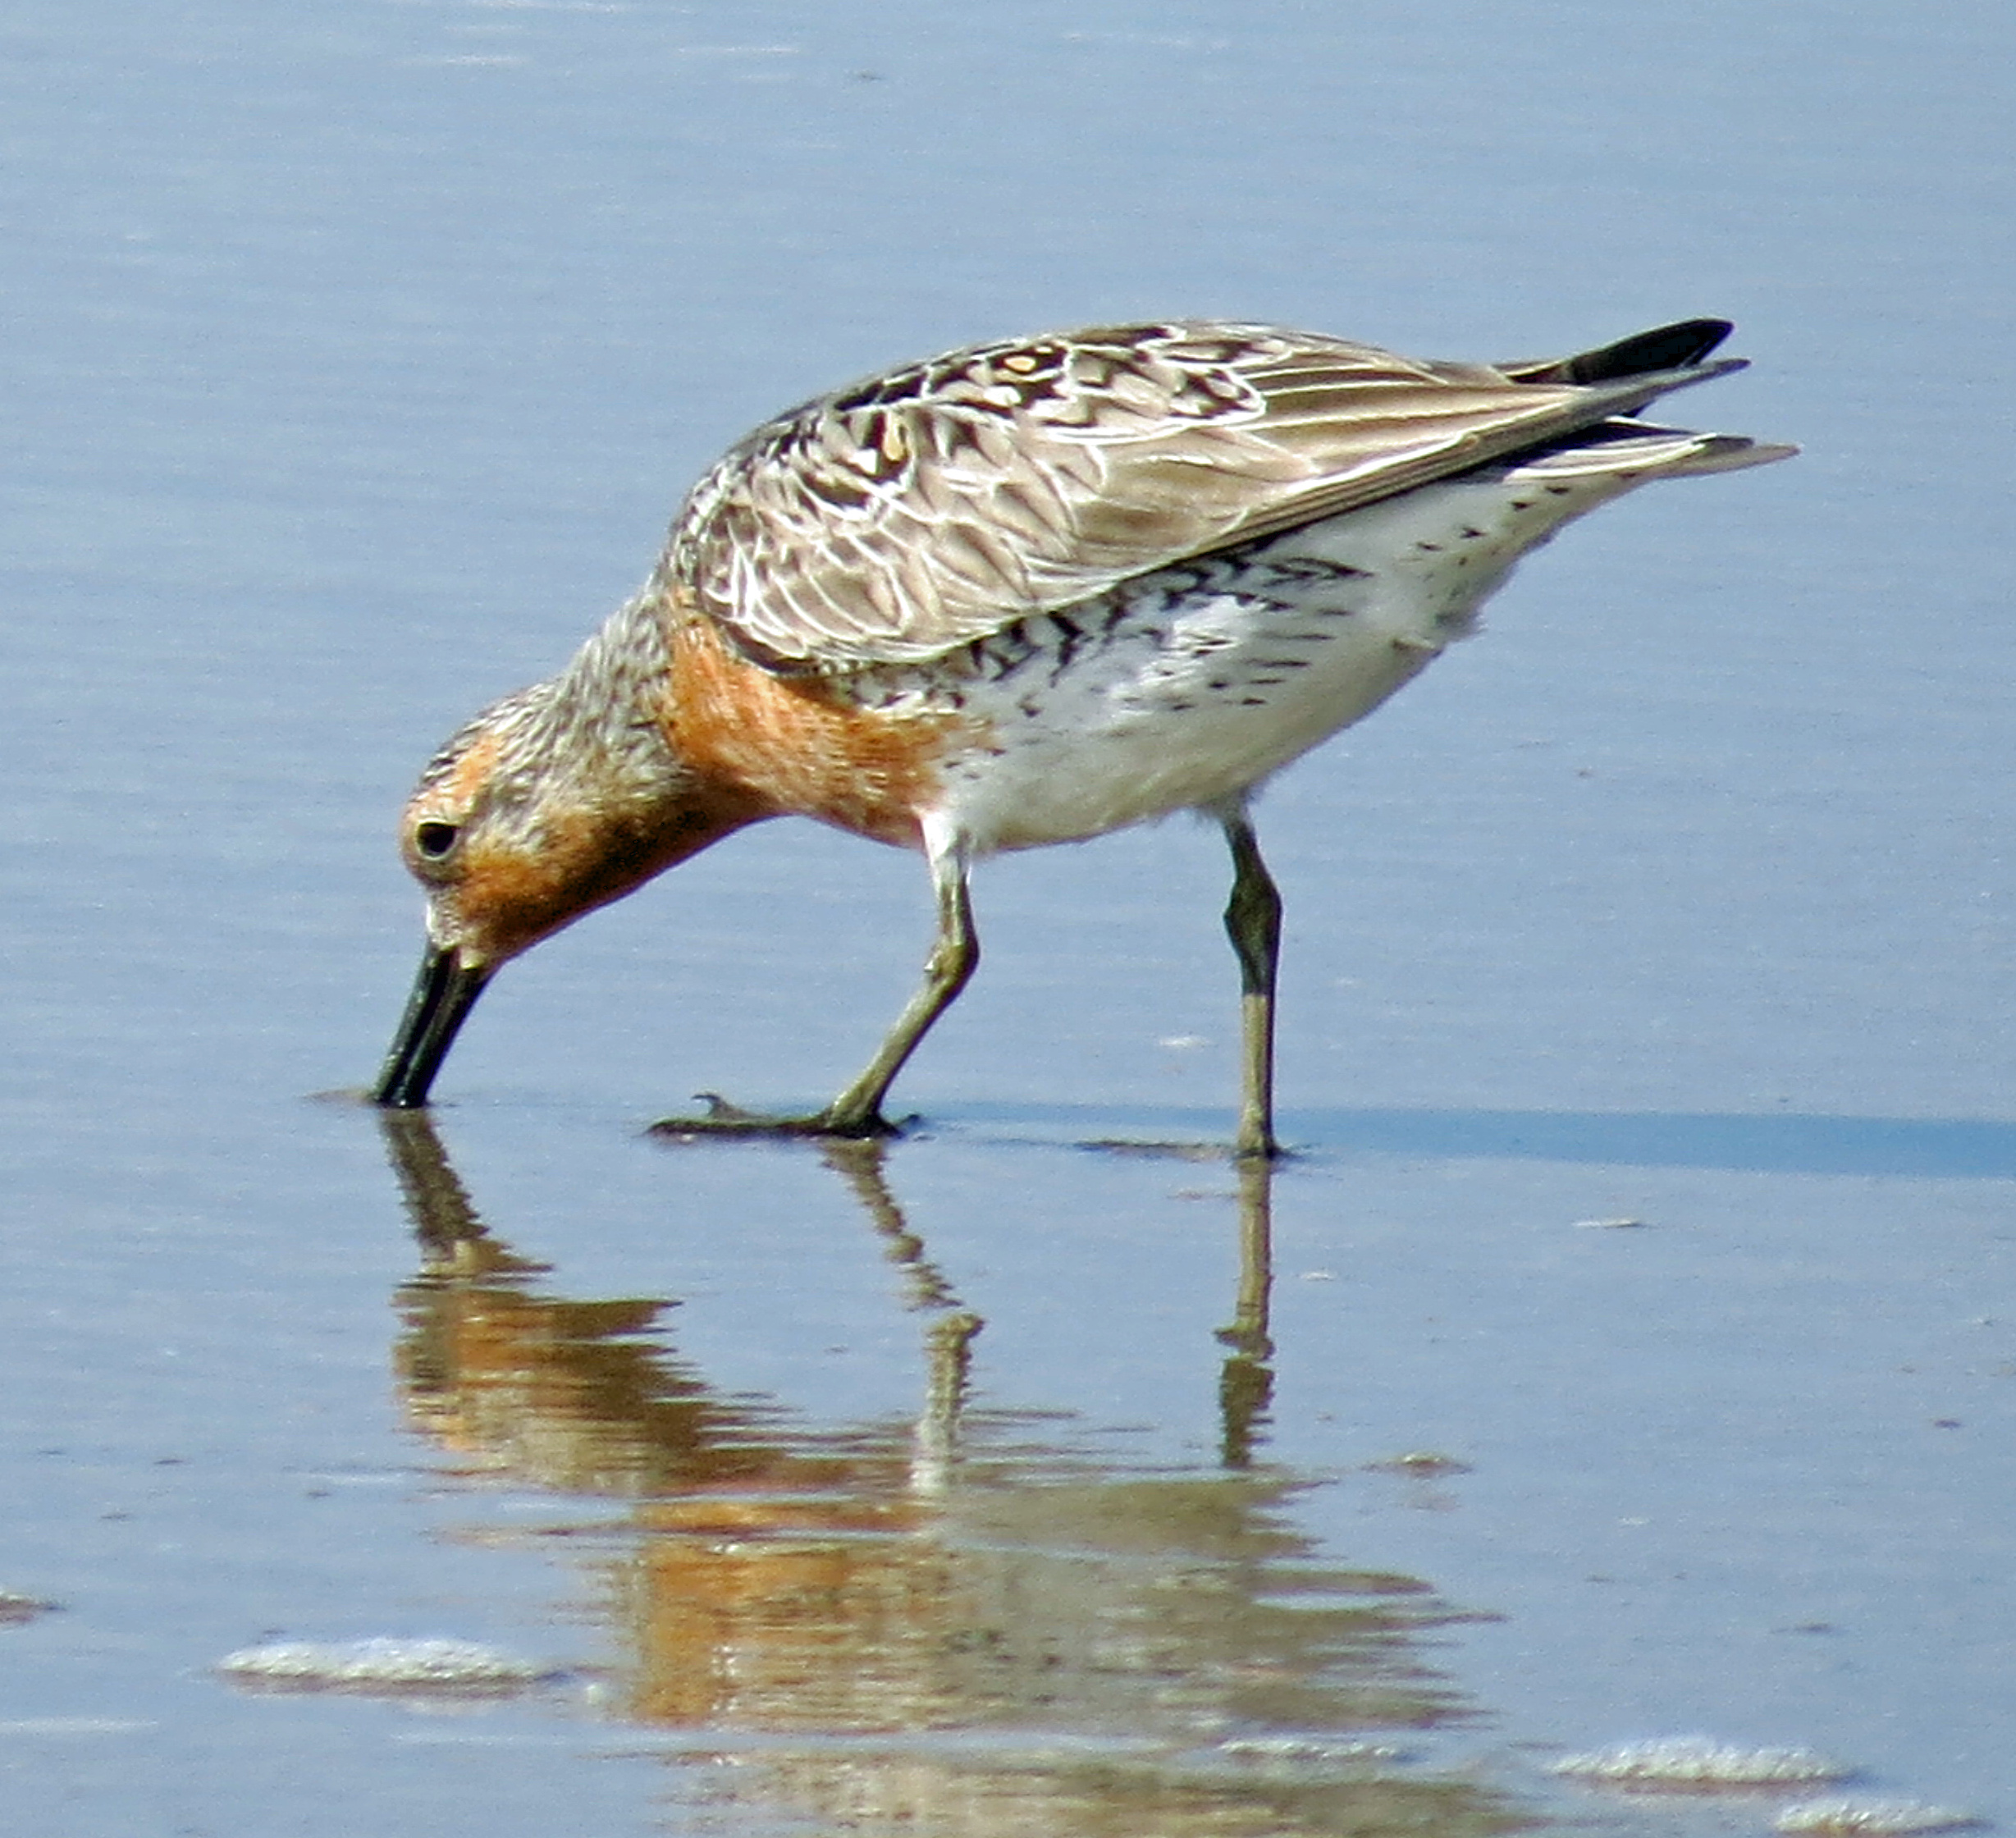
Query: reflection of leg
[862, 1166]
[948, 1341]
[1246, 1383]
[1248, 1330]
[948, 1348]
[1253, 922]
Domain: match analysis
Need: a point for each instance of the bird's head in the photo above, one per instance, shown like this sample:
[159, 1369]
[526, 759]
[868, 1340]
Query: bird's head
[527, 819]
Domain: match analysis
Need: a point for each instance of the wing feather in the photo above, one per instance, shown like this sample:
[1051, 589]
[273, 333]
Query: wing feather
[921, 510]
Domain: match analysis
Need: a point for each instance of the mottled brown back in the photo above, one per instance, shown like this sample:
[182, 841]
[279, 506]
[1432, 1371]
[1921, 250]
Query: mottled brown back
[904, 516]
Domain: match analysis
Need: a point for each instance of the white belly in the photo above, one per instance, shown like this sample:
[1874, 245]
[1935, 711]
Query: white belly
[1188, 688]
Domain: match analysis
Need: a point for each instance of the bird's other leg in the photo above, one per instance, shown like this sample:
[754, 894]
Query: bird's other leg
[1253, 922]
[955, 954]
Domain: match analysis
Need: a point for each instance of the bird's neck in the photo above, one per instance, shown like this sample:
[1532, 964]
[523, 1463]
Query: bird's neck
[601, 722]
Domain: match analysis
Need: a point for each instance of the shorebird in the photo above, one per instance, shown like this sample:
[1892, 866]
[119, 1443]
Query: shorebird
[1027, 593]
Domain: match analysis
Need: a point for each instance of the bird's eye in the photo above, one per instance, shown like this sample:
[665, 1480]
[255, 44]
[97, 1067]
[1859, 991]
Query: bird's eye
[434, 839]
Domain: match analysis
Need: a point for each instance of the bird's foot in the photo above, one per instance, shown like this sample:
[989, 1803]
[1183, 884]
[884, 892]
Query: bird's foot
[724, 1118]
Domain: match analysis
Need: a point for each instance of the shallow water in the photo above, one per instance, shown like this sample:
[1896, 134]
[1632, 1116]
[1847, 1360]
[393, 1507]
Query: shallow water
[357, 357]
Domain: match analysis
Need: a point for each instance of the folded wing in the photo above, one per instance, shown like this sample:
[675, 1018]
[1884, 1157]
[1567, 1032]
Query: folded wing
[905, 516]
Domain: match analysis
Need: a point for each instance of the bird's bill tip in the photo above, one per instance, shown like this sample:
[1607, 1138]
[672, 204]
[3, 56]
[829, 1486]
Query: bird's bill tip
[443, 993]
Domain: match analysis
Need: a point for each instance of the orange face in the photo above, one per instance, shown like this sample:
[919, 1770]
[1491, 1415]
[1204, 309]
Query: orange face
[510, 853]
[500, 881]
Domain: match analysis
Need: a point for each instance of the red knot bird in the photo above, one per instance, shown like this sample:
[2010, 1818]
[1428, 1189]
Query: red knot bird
[1025, 593]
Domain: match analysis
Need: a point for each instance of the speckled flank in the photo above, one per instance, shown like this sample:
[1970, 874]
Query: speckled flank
[1192, 686]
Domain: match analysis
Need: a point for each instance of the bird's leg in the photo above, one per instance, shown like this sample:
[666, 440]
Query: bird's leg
[1253, 922]
[857, 1111]
[955, 954]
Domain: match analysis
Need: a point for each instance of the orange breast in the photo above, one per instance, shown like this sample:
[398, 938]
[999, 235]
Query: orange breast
[800, 744]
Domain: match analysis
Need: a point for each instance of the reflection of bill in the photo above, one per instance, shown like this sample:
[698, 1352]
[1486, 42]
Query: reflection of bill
[962, 1625]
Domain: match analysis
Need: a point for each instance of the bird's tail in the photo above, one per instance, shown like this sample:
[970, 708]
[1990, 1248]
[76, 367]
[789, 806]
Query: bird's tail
[1624, 448]
[1680, 346]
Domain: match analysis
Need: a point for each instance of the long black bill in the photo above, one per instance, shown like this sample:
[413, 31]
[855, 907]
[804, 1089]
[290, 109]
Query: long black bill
[443, 993]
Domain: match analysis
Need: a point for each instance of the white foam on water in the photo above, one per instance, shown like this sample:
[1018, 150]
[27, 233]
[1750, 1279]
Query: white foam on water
[1698, 1762]
[382, 1664]
[1856, 1815]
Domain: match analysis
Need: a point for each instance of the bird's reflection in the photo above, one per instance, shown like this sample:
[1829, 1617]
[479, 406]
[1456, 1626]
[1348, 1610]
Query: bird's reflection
[957, 1624]
[1246, 1380]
